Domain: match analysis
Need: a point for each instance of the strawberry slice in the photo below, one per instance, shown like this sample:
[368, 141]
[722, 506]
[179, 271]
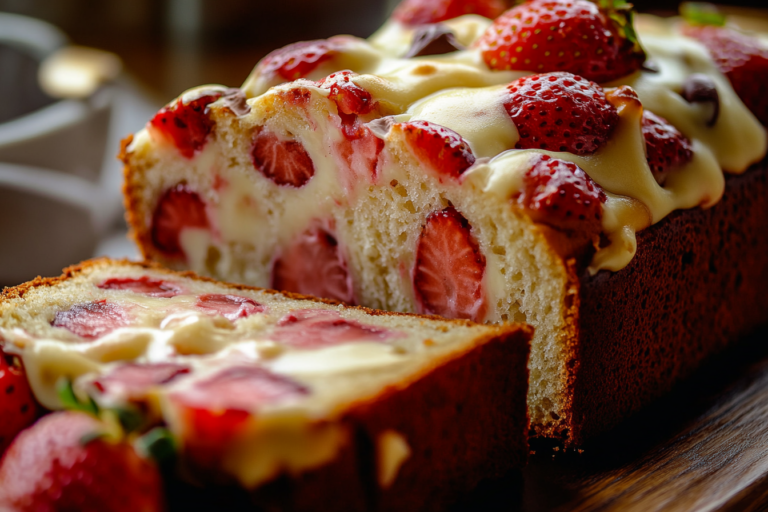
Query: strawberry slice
[284, 161]
[314, 265]
[741, 58]
[134, 380]
[449, 270]
[561, 194]
[51, 466]
[179, 208]
[590, 39]
[298, 60]
[665, 147]
[216, 409]
[144, 285]
[349, 97]
[93, 319]
[421, 12]
[231, 307]
[439, 148]
[186, 124]
[18, 408]
[319, 328]
[560, 112]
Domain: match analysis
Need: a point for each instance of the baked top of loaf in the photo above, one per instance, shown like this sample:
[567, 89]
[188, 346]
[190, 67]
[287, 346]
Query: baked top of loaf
[173, 345]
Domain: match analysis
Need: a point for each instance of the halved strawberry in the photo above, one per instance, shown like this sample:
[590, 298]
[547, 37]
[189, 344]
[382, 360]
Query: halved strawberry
[560, 112]
[578, 36]
[18, 408]
[439, 148]
[133, 380]
[93, 319]
[743, 59]
[284, 161]
[314, 265]
[421, 12]
[349, 97]
[313, 329]
[449, 270]
[215, 410]
[298, 60]
[53, 466]
[187, 124]
[144, 285]
[177, 209]
[561, 194]
[228, 306]
[665, 147]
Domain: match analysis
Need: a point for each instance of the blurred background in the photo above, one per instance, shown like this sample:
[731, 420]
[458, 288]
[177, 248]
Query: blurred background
[59, 179]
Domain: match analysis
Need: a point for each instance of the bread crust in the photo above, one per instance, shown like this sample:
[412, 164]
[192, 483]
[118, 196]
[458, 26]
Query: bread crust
[697, 284]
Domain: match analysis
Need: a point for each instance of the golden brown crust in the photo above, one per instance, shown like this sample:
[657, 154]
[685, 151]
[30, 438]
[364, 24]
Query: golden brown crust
[697, 284]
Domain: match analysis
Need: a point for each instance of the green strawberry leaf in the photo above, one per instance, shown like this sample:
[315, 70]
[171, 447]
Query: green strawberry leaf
[70, 400]
[701, 13]
[159, 444]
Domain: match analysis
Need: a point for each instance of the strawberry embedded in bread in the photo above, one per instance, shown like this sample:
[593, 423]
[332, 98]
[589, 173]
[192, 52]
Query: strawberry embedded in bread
[61, 463]
[576, 36]
[314, 264]
[449, 271]
[179, 209]
[421, 12]
[17, 407]
[92, 320]
[560, 112]
[256, 386]
[151, 287]
[283, 161]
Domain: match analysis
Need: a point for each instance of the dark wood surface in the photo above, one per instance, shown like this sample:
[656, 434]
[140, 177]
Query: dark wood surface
[703, 447]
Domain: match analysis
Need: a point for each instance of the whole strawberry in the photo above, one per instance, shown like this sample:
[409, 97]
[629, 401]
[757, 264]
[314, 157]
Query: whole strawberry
[741, 58]
[18, 408]
[561, 194]
[576, 36]
[421, 12]
[53, 466]
[439, 148]
[560, 112]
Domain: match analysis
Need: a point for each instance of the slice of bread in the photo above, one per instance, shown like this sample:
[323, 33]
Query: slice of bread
[343, 404]
[400, 188]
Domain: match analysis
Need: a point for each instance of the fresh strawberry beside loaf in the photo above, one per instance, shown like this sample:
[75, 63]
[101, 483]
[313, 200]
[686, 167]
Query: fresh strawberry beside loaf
[493, 170]
[350, 408]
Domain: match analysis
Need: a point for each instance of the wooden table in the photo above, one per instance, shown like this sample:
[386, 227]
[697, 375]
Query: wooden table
[703, 447]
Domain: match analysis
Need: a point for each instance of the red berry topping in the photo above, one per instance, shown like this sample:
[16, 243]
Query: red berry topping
[134, 380]
[284, 161]
[313, 329]
[298, 60]
[438, 147]
[563, 35]
[144, 285]
[743, 59]
[51, 467]
[561, 194]
[187, 124]
[665, 147]
[314, 265]
[179, 208]
[448, 276]
[560, 112]
[228, 306]
[421, 12]
[349, 97]
[93, 319]
[18, 408]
